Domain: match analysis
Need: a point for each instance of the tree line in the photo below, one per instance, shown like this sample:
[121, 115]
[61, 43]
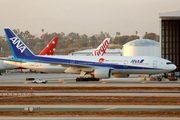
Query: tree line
[70, 42]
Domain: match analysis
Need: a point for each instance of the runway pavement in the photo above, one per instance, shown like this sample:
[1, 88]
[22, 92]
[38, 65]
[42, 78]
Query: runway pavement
[92, 107]
[87, 118]
[110, 94]
[94, 93]
[19, 79]
[103, 107]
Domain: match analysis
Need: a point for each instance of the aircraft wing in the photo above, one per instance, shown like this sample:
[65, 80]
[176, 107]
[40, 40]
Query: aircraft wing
[14, 60]
[47, 62]
[67, 64]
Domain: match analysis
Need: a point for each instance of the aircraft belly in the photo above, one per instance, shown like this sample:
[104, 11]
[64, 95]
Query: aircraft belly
[137, 71]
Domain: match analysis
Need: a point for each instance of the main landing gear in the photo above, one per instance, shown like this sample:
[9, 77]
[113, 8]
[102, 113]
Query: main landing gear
[86, 79]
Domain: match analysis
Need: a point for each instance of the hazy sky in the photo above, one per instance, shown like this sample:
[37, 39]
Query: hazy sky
[84, 16]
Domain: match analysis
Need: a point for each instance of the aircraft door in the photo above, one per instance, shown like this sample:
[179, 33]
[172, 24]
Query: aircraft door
[154, 64]
[125, 63]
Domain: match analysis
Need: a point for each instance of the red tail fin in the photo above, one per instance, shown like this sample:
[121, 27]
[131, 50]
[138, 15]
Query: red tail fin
[50, 48]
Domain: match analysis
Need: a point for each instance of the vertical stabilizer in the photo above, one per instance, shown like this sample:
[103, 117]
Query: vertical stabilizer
[18, 48]
[50, 48]
[101, 50]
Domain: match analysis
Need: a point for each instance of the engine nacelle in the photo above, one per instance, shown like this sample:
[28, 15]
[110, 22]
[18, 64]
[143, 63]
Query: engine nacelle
[102, 73]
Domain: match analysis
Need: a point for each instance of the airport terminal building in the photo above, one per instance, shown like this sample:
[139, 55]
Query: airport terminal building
[170, 37]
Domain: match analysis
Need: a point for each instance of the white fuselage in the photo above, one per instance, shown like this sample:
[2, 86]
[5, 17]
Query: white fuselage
[117, 64]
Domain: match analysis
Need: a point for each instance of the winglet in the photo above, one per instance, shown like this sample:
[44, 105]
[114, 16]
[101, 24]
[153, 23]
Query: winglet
[50, 48]
[101, 50]
[18, 48]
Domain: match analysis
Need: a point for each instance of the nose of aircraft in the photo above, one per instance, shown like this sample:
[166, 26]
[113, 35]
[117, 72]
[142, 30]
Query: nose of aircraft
[171, 67]
[174, 67]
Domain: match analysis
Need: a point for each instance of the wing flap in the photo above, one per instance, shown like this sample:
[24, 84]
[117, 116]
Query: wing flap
[68, 65]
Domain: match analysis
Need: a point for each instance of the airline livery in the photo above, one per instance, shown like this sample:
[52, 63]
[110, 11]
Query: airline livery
[49, 68]
[101, 50]
[99, 67]
[48, 50]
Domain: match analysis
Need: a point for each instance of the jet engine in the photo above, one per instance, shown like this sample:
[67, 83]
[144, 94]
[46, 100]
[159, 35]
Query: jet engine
[102, 73]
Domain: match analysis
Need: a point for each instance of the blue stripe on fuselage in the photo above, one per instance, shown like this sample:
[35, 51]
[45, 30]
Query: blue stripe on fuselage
[83, 63]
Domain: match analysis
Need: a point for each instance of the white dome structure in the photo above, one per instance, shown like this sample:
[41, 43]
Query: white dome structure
[141, 47]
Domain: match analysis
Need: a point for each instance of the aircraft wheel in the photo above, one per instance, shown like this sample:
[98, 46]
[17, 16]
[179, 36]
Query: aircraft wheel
[159, 79]
[77, 79]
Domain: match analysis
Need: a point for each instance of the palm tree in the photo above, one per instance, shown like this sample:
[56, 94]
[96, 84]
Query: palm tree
[42, 31]
[136, 33]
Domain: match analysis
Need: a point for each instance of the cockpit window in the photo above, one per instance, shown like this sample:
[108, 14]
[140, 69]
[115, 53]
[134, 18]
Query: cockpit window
[169, 63]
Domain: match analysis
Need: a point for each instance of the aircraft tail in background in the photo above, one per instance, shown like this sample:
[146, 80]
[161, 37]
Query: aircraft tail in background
[101, 50]
[18, 48]
[50, 48]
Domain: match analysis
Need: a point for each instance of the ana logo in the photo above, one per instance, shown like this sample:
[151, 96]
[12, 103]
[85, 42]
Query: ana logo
[101, 60]
[101, 50]
[18, 43]
[137, 61]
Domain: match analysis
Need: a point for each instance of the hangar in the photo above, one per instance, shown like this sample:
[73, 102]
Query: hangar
[170, 37]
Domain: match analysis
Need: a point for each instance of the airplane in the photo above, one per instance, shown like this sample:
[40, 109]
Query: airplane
[48, 50]
[99, 67]
[101, 49]
[50, 68]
